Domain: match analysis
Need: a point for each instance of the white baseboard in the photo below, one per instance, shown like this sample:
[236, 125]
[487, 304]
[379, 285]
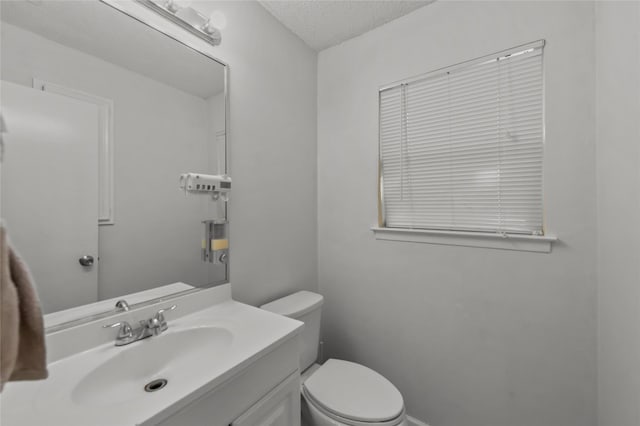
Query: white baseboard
[415, 422]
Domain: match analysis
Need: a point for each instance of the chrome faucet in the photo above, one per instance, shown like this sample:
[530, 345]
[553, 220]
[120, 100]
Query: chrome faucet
[150, 327]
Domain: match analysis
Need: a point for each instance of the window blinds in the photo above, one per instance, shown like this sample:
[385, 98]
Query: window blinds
[461, 148]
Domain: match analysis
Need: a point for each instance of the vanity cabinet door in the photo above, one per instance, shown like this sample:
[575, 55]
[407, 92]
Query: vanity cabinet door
[280, 407]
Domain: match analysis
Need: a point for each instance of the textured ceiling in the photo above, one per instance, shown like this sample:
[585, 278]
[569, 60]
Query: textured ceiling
[325, 23]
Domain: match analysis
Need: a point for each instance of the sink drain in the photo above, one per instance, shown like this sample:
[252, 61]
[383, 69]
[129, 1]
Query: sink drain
[155, 385]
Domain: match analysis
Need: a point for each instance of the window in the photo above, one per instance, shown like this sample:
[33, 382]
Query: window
[461, 148]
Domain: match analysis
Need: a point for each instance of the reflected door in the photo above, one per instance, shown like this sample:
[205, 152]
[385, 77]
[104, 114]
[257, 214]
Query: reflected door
[50, 191]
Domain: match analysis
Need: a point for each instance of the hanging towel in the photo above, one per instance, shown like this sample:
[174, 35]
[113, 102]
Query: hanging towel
[22, 346]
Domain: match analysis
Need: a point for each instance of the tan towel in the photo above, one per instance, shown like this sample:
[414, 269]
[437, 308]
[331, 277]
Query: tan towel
[22, 347]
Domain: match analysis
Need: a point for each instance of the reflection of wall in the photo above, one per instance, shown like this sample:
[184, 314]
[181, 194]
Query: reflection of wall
[618, 171]
[216, 131]
[471, 336]
[159, 133]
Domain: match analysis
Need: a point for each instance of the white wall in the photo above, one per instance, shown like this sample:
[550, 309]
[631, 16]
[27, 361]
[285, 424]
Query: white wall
[159, 132]
[618, 172]
[471, 336]
[272, 153]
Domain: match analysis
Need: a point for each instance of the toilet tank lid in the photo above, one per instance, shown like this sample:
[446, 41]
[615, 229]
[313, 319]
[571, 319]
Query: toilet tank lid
[295, 305]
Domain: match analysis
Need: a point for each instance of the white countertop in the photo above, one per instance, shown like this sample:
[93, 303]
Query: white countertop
[255, 333]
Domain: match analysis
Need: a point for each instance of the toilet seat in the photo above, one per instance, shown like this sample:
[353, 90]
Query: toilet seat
[353, 394]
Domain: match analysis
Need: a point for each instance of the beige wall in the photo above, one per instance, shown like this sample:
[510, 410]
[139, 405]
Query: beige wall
[471, 336]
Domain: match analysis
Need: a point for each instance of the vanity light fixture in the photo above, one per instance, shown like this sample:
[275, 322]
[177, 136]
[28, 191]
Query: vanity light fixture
[180, 12]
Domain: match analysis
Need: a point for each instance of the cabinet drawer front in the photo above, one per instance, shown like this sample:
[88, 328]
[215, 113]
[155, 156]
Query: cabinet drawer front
[280, 407]
[226, 402]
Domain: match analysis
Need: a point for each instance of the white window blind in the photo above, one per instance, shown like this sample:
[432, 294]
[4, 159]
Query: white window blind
[461, 148]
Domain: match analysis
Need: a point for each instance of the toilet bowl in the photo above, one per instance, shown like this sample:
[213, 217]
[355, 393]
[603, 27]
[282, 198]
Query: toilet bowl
[338, 393]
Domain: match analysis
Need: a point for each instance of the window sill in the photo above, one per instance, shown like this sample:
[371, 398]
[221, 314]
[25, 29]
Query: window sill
[531, 243]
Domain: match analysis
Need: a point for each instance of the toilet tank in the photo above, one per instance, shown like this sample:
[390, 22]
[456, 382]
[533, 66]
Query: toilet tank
[304, 306]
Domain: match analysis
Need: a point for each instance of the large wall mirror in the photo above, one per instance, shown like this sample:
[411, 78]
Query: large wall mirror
[99, 124]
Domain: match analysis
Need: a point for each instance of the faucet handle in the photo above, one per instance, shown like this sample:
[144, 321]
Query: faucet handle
[163, 310]
[159, 316]
[125, 328]
[158, 319]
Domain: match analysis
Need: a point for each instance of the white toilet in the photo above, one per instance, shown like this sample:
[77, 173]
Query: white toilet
[338, 393]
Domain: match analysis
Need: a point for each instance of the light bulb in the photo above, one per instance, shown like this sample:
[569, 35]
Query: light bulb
[175, 5]
[217, 20]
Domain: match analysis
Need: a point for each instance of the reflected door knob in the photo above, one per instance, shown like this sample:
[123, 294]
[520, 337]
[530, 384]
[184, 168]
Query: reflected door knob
[86, 260]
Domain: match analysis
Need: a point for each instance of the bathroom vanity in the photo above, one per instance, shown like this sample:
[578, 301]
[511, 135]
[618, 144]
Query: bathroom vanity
[219, 363]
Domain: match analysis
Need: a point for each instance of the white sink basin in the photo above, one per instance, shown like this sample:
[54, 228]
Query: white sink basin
[173, 356]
